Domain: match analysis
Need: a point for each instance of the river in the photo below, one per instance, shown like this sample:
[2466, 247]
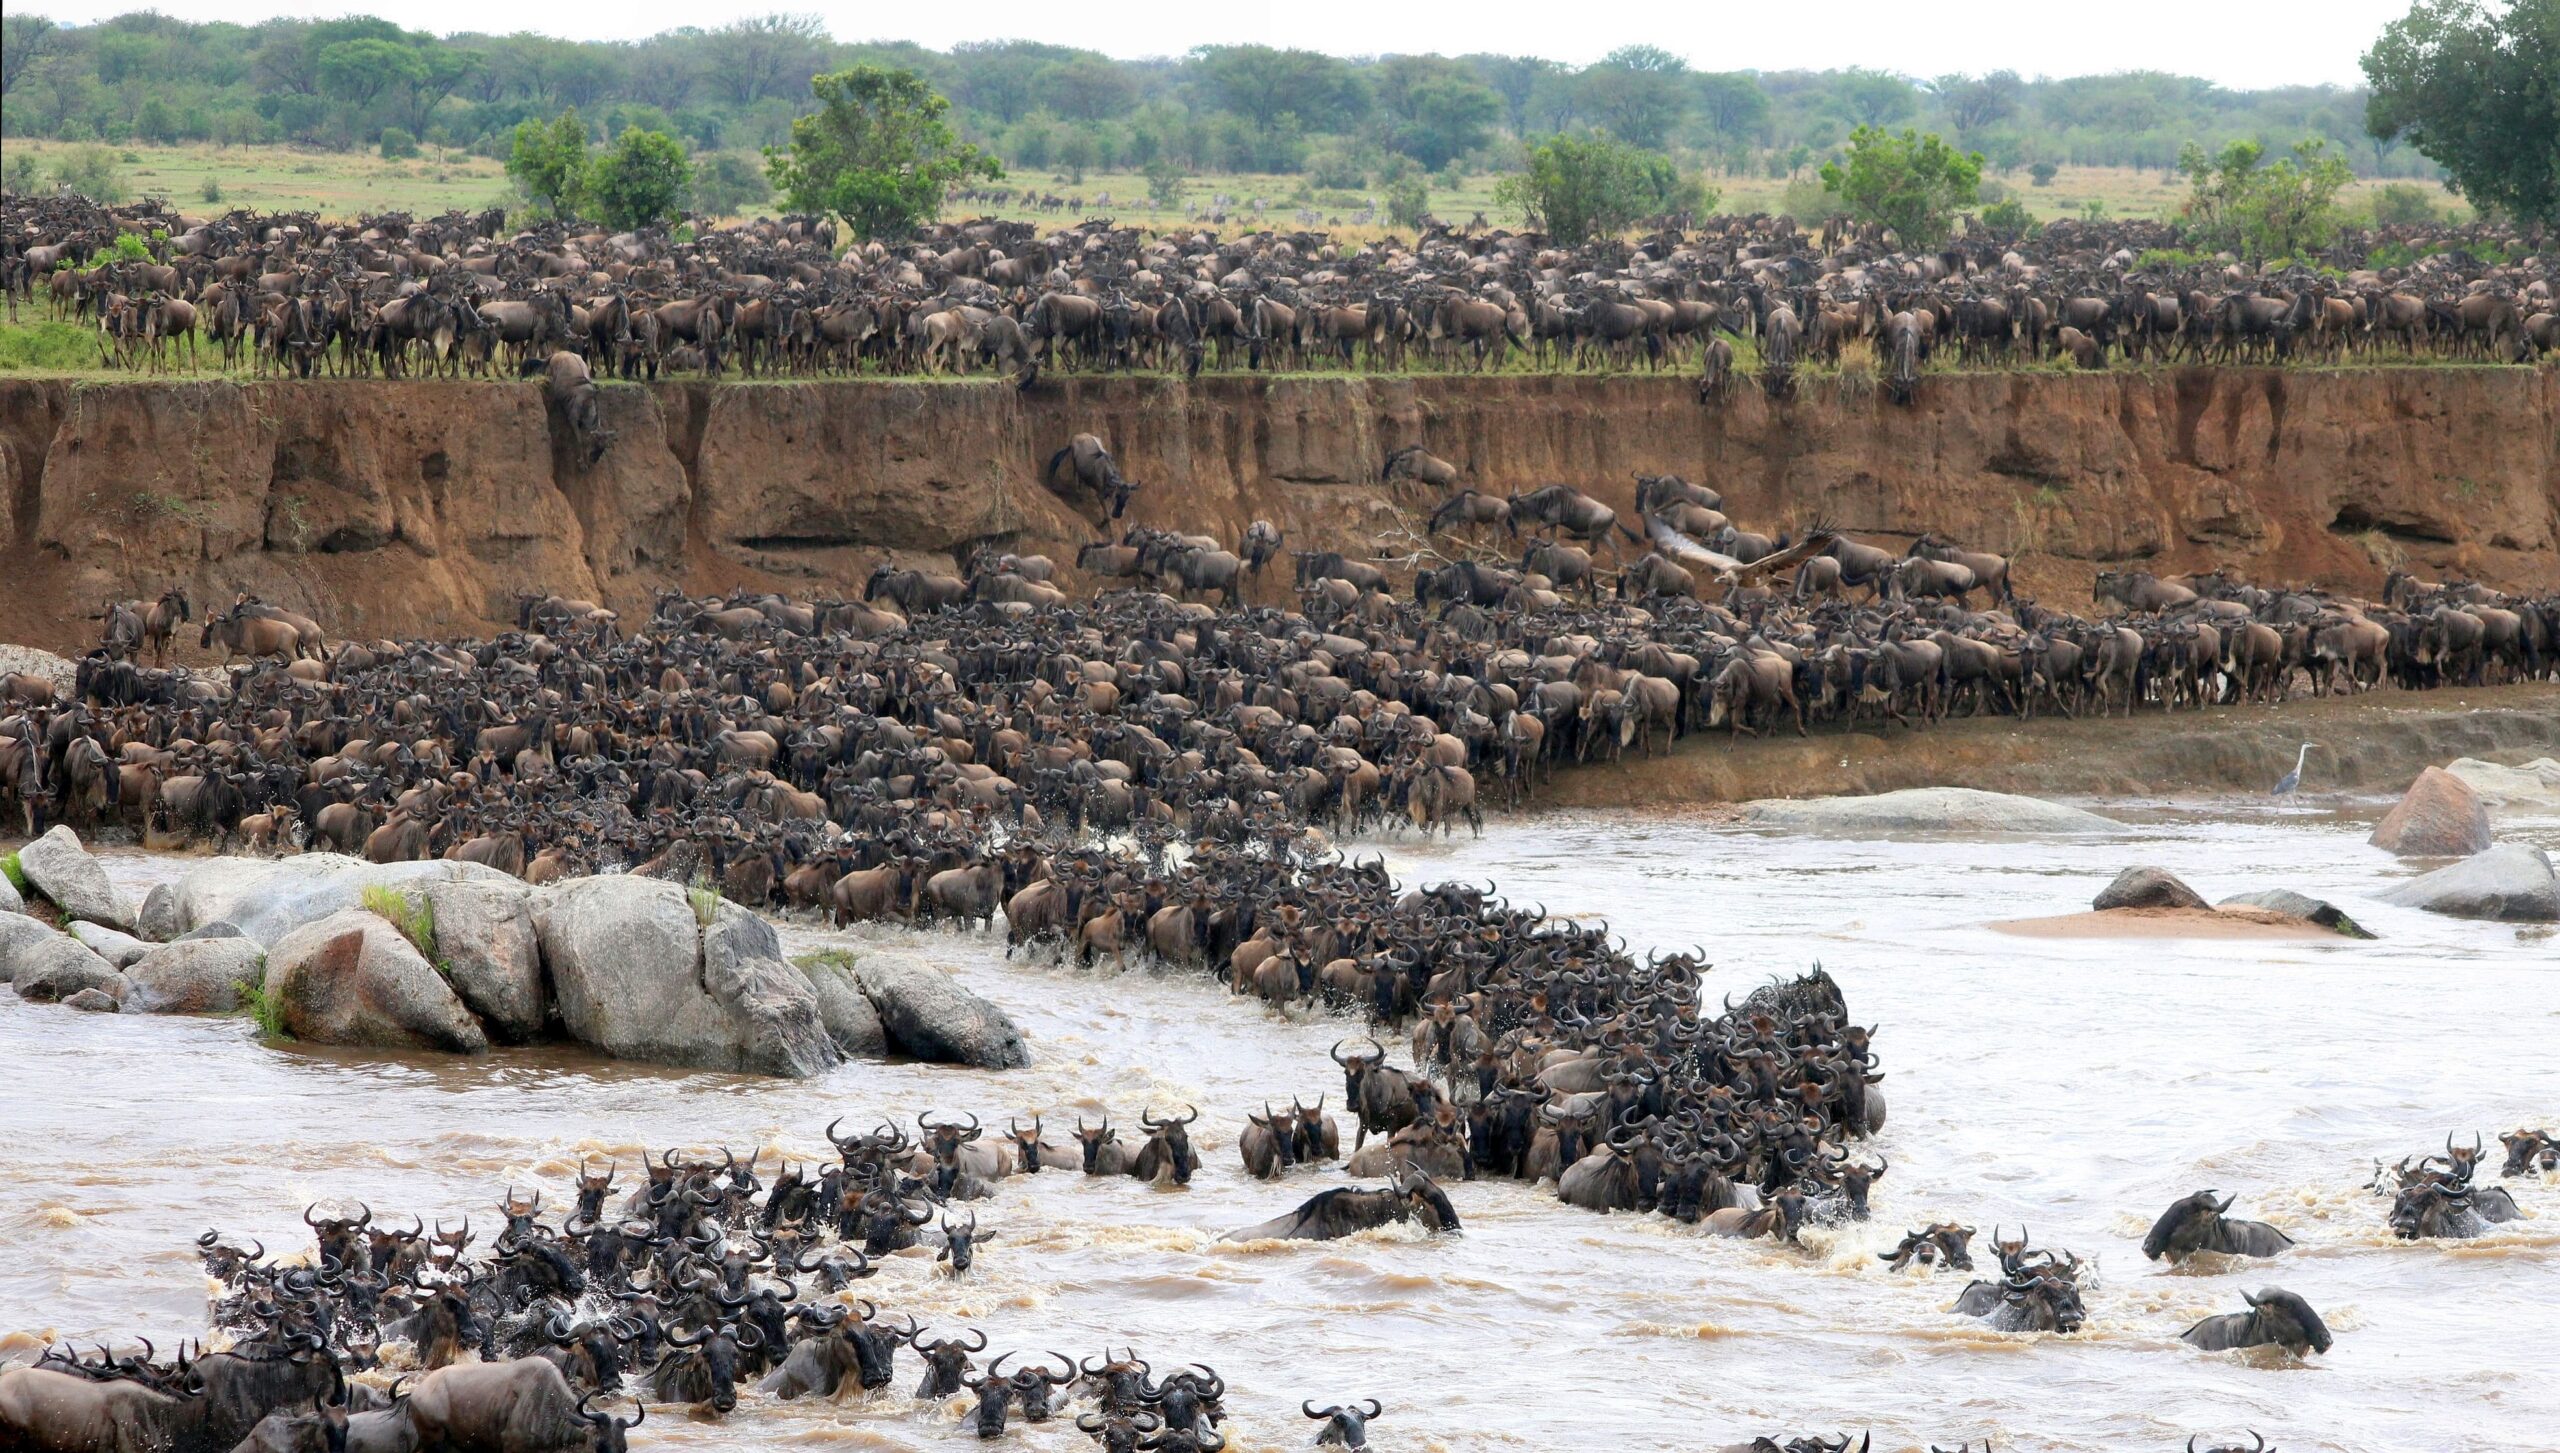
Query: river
[2076, 1085]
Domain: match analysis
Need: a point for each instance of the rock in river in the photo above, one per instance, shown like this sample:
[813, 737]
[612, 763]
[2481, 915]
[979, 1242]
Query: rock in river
[352, 978]
[638, 977]
[47, 966]
[2510, 881]
[486, 947]
[2438, 817]
[267, 899]
[62, 870]
[1925, 809]
[201, 976]
[930, 1016]
[2147, 888]
[2535, 784]
[2300, 905]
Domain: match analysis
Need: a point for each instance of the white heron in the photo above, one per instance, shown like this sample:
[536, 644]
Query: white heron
[2293, 778]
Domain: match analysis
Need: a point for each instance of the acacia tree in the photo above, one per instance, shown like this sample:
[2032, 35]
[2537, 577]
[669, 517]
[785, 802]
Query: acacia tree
[1911, 183]
[640, 182]
[2239, 202]
[877, 152]
[1580, 187]
[2476, 91]
[549, 162]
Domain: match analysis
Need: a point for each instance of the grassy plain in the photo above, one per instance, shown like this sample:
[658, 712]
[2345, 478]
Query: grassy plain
[350, 184]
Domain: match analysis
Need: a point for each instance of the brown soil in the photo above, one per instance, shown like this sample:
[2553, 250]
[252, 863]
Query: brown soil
[398, 508]
[2234, 923]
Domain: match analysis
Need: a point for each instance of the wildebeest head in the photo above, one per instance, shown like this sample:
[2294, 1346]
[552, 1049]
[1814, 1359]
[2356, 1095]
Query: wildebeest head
[1344, 1427]
[1093, 1140]
[995, 1396]
[2431, 1209]
[946, 1363]
[2185, 1227]
[610, 1430]
[2287, 1320]
[1167, 1153]
[1190, 1398]
[2529, 1151]
[1119, 1432]
[1026, 1145]
[2257, 1444]
[227, 1264]
[705, 1369]
[960, 1244]
[1945, 1246]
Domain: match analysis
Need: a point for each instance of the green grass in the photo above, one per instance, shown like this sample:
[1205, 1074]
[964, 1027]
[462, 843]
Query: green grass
[706, 903]
[264, 1010]
[36, 345]
[334, 184]
[16, 875]
[834, 960]
[414, 917]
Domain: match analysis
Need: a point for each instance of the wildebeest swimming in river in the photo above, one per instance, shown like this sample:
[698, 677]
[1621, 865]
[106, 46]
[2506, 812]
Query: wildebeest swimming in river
[2276, 1318]
[1328, 1215]
[2194, 1223]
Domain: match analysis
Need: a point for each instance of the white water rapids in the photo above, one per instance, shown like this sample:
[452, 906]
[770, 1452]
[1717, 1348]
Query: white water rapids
[2076, 1085]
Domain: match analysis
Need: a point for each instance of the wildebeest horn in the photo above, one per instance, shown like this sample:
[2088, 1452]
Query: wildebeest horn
[1375, 1409]
[1309, 1408]
[208, 1239]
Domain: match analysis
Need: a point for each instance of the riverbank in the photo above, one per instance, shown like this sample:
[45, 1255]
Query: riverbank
[420, 508]
[2369, 743]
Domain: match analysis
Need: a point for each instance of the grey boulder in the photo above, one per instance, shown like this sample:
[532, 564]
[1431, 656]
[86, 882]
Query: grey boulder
[119, 949]
[268, 898]
[352, 978]
[55, 967]
[1925, 809]
[198, 976]
[638, 977]
[10, 901]
[92, 1001]
[486, 947]
[2438, 817]
[931, 1017]
[62, 870]
[2147, 888]
[2300, 905]
[22, 939]
[2510, 882]
[851, 1019]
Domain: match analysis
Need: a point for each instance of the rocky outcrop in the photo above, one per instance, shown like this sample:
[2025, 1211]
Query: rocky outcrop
[638, 976]
[46, 966]
[2510, 881]
[352, 978]
[930, 1016]
[2147, 888]
[62, 870]
[265, 899]
[203, 976]
[1924, 810]
[118, 949]
[2438, 817]
[852, 1021]
[421, 507]
[2534, 784]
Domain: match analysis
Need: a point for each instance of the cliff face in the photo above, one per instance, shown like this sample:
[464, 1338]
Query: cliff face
[399, 507]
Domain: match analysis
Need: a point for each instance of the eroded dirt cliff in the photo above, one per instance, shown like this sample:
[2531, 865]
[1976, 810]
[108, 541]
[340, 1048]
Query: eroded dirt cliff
[399, 507]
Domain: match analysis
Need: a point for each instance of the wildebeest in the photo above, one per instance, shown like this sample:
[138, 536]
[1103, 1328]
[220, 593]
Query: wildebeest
[1090, 464]
[1344, 1427]
[1328, 1215]
[1944, 1246]
[2276, 1318]
[1167, 1157]
[523, 1406]
[2195, 1223]
[2530, 1151]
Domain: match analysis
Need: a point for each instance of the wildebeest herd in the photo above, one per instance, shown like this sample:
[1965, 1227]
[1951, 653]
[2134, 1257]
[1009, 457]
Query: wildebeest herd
[464, 295]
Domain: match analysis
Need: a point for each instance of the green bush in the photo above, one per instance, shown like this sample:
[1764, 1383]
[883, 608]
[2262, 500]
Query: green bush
[211, 191]
[2042, 173]
[264, 1010]
[16, 875]
[93, 172]
[2009, 218]
[2401, 204]
[398, 144]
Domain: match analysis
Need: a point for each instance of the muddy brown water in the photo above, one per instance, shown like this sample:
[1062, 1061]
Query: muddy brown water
[2075, 1085]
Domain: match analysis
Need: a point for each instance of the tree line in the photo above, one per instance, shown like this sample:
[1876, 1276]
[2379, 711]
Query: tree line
[1347, 121]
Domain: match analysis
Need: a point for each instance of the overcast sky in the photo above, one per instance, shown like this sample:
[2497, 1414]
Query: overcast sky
[2246, 43]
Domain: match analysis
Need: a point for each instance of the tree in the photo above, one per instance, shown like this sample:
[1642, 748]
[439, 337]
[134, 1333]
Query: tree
[359, 72]
[726, 184]
[1580, 187]
[1408, 200]
[1973, 104]
[1639, 92]
[2041, 173]
[640, 181]
[2239, 202]
[1733, 105]
[1165, 183]
[1873, 98]
[1261, 84]
[1438, 110]
[770, 55]
[1515, 79]
[1002, 77]
[1908, 182]
[2478, 92]
[1087, 88]
[878, 152]
[2401, 203]
[549, 162]
[24, 40]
